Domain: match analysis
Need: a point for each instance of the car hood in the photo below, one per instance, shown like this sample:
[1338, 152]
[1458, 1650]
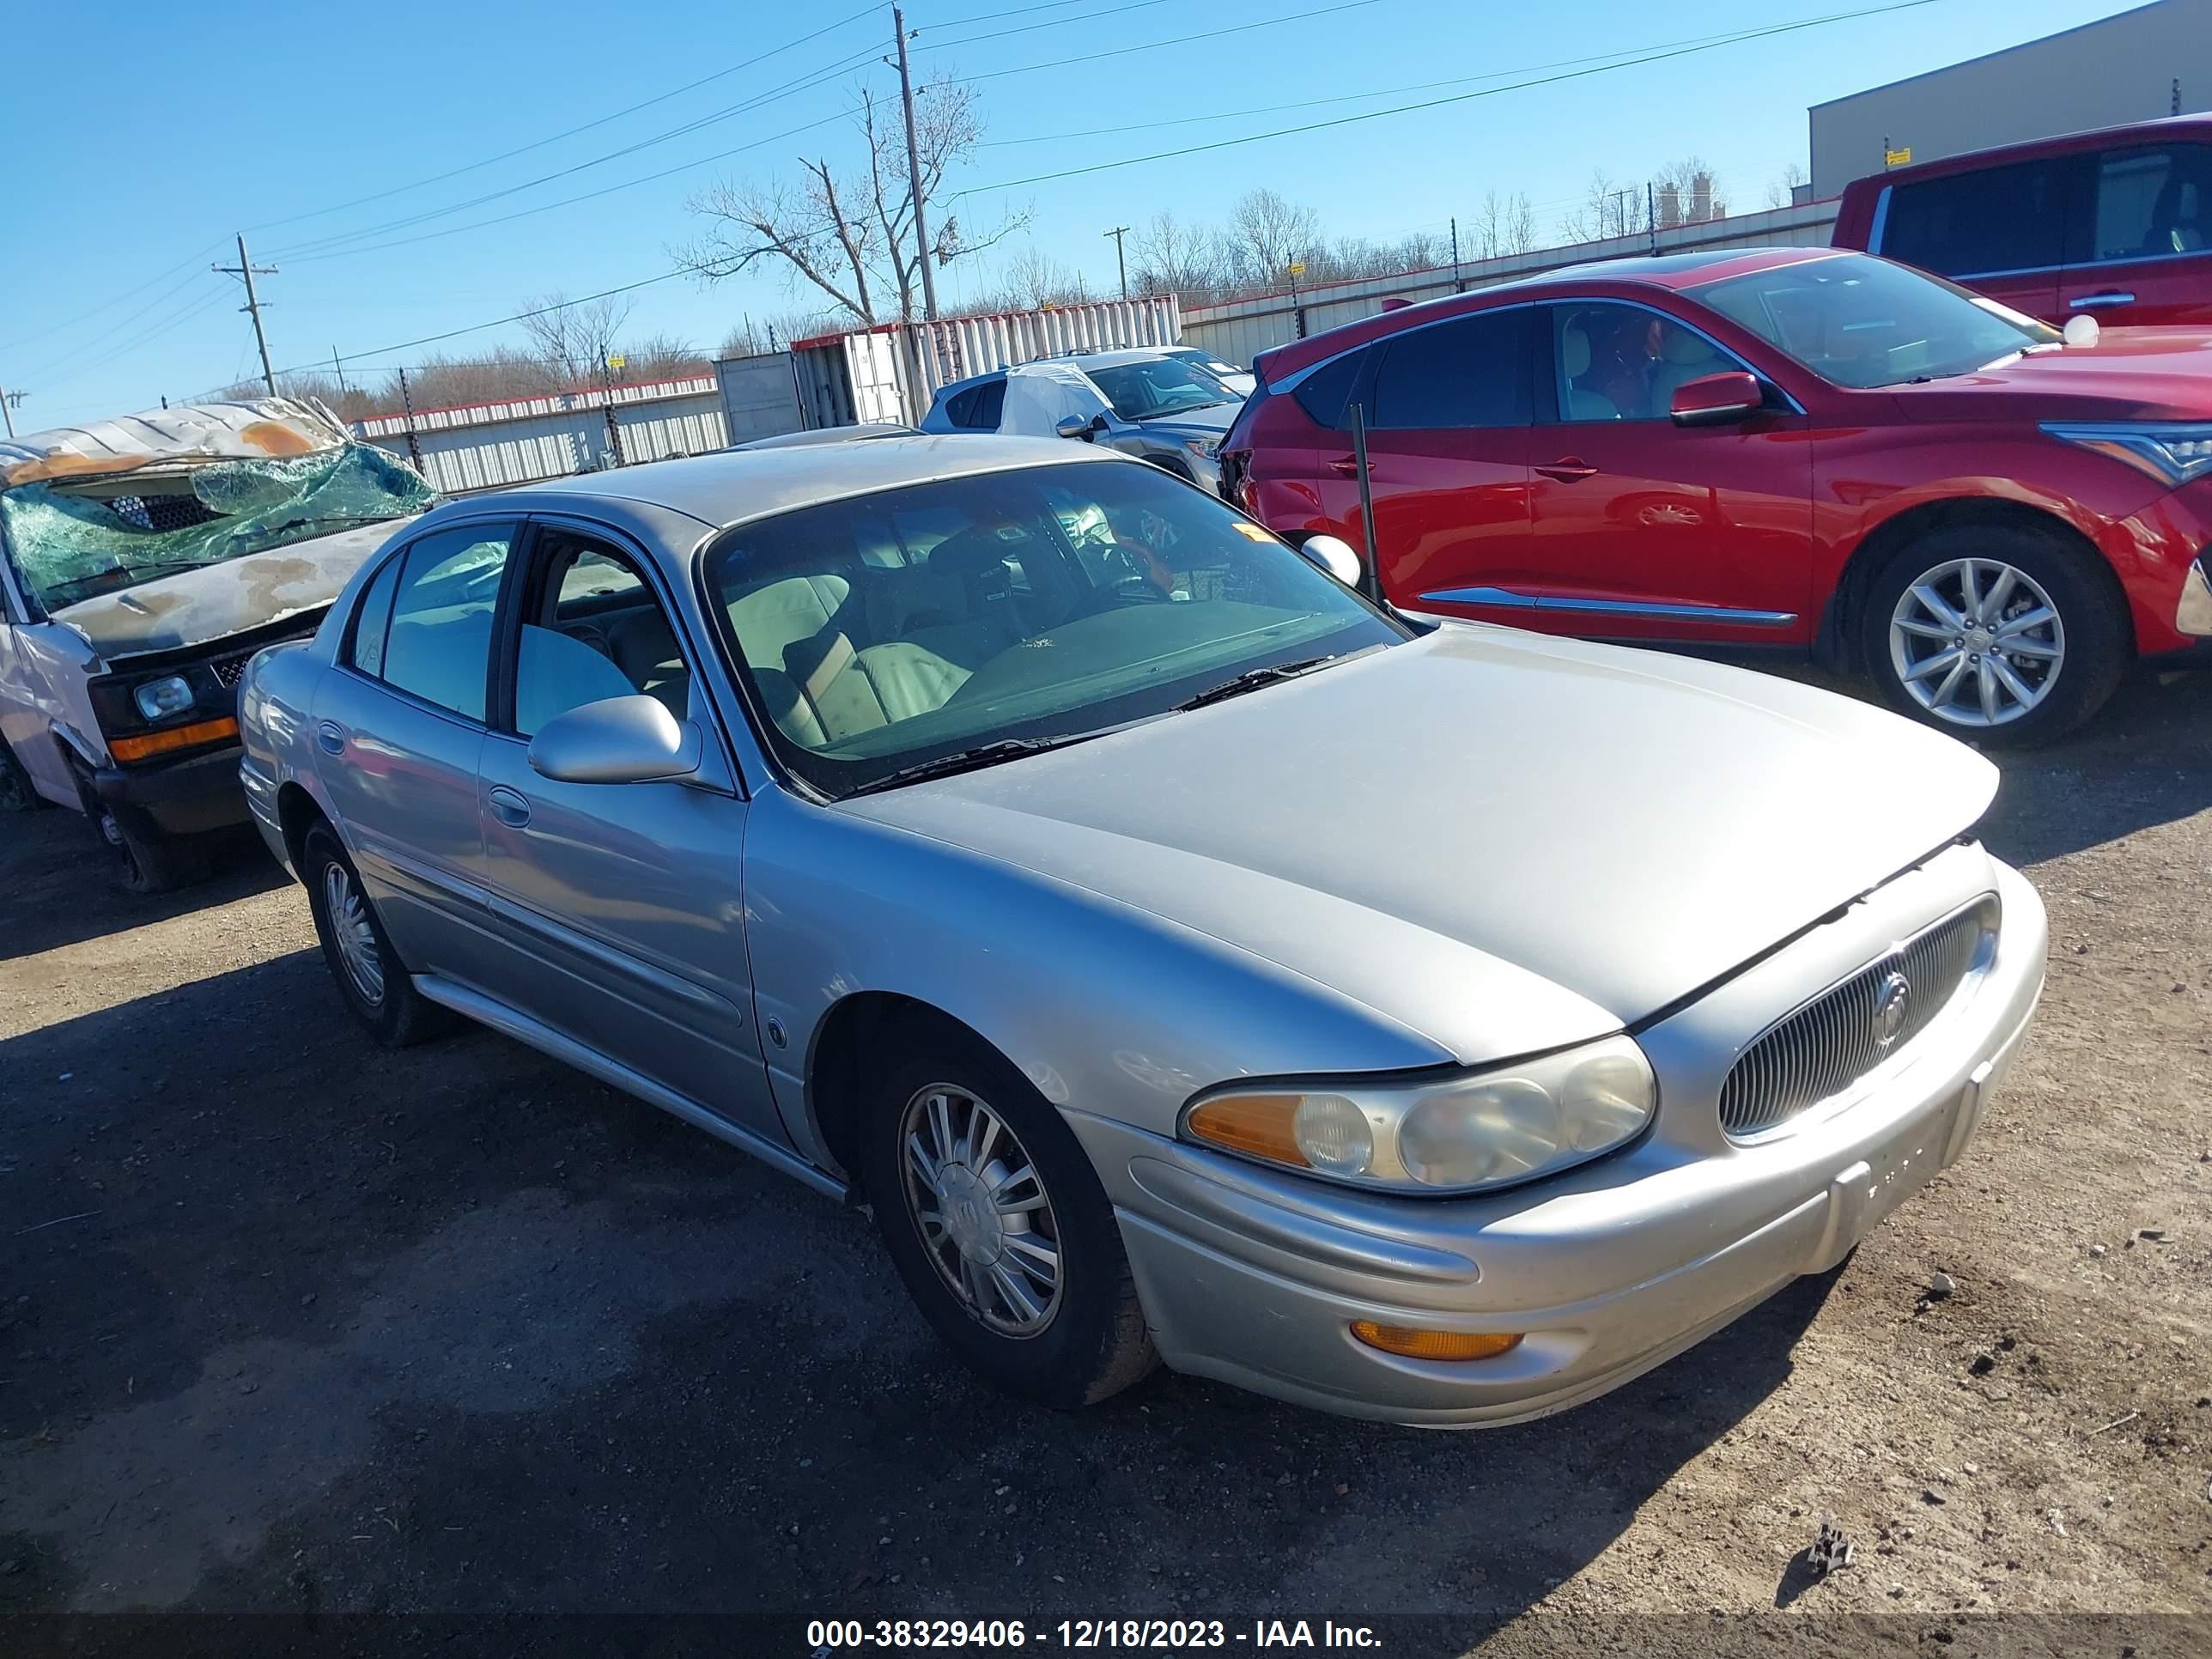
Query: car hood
[2130, 374]
[1210, 422]
[214, 601]
[1419, 826]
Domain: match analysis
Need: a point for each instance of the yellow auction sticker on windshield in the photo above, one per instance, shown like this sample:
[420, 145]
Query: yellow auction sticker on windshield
[1253, 532]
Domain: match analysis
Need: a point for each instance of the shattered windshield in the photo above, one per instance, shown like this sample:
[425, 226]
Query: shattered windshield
[75, 538]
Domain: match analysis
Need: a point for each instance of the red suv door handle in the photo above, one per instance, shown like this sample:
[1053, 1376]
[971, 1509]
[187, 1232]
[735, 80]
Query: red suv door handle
[1347, 467]
[1571, 468]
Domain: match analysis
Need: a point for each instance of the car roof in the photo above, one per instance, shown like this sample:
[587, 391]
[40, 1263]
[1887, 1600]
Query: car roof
[732, 486]
[1110, 357]
[1673, 272]
[2029, 149]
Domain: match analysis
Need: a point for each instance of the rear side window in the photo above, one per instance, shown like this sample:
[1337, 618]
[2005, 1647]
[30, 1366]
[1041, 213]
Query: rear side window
[1980, 224]
[373, 618]
[2151, 202]
[1324, 393]
[439, 646]
[979, 406]
[1471, 372]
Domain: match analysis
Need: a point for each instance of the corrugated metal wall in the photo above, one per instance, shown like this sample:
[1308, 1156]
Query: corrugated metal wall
[1243, 329]
[490, 446]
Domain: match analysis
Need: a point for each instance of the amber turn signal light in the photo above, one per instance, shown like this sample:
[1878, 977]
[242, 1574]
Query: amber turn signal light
[1259, 1125]
[150, 744]
[1435, 1344]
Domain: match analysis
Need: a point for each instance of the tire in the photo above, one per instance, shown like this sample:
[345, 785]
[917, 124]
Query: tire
[1092, 1341]
[376, 986]
[2069, 664]
[145, 860]
[17, 793]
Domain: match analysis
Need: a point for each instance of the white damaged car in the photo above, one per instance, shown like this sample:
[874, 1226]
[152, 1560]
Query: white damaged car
[142, 560]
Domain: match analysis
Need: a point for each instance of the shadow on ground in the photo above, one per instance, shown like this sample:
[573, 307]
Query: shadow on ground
[61, 887]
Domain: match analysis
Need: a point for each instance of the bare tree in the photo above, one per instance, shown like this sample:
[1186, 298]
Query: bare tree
[1697, 191]
[662, 357]
[1269, 233]
[1486, 239]
[1520, 225]
[1172, 257]
[1783, 190]
[574, 338]
[1035, 278]
[849, 235]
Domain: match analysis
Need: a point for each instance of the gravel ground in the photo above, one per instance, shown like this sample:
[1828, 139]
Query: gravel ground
[289, 1324]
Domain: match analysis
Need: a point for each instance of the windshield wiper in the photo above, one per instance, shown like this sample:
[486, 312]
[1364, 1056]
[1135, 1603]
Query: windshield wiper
[1252, 679]
[970, 760]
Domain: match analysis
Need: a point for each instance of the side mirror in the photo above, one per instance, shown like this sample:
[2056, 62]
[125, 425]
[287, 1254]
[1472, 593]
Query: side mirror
[1717, 399]
[1075, 426]
[1335, 558]
[631, 739]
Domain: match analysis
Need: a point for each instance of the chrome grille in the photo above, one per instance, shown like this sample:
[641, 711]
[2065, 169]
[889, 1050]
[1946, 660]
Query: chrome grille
[1850, 1028]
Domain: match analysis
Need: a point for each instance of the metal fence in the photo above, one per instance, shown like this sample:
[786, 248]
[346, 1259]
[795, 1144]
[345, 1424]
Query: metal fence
[1242, 329]
[523, 439]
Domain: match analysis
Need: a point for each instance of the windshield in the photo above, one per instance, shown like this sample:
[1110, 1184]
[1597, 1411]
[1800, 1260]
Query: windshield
[1206, 360]
[1159, 386]
[1864, 322]
[75, 538]
[890, 629]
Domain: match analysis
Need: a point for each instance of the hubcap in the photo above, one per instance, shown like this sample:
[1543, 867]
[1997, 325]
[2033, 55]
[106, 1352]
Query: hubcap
[986, 1221]
[355, 940]
[1976, 643]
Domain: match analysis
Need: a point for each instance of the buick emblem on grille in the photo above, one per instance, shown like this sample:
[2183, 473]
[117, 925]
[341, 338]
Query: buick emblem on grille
[1891, 1009]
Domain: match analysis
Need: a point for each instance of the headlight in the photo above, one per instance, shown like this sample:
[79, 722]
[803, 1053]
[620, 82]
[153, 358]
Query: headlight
[2170, 452]
[159, 699]
[1452, 1134]
[1209, 447]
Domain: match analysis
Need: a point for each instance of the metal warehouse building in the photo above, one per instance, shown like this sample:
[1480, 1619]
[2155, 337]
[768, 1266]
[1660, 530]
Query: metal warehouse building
[2155, 60]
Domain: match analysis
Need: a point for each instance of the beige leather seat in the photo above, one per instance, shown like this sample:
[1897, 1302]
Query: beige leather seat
[1683, 357]
[846, 690]
[770, 619]
[1574, 362]
[644, 648]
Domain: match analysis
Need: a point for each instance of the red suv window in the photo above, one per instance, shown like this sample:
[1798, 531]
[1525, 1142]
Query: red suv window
[1980, 224]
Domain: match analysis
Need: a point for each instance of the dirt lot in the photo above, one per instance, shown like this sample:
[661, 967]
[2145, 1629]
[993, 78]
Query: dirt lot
[292, 1325]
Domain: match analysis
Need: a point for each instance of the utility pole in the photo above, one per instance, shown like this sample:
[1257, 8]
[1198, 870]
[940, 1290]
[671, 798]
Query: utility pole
[1652, 213]
[8, 402]
[1121, 263]
[247, 271]
[338, 370]
[914, 170]
[1623, 197]
[407, 403]
[1456, 289]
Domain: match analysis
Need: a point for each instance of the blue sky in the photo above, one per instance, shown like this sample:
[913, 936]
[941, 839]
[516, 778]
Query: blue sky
[135, 150]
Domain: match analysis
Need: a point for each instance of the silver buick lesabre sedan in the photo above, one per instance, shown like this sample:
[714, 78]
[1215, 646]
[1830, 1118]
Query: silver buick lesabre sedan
[1183, 959]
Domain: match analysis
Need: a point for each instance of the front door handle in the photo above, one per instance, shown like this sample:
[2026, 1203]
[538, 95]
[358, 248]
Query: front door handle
[2094, 301]
[1570, 469]
[510, 806]
[1347, 466]
[331, 736]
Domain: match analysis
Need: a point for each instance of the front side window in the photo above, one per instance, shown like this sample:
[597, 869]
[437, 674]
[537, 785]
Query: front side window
[1859, 321]
[1052, 601]
[1980, 224]
[1623, 362]
[438, 644]
[1470, 372]
[592, 629]
[2152, 202]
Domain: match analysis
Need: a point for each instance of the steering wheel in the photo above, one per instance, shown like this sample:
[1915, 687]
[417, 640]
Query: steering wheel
[1147, 578]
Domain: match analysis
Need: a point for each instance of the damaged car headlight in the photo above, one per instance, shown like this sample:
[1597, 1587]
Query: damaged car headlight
[1465, 1132]
[1210, 448]
[159, 699]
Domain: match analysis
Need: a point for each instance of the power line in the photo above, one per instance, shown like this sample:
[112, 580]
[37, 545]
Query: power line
[47, 332]
[1030, 28]
[1180, 41]
[1437, 103]
[1017, 11]
[540, 143]
[497, 322]
[321, 246]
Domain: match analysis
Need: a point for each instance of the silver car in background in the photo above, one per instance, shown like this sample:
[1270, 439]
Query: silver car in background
[1183, 959]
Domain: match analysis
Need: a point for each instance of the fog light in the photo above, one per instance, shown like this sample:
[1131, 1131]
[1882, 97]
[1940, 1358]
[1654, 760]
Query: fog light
[1435, 1344]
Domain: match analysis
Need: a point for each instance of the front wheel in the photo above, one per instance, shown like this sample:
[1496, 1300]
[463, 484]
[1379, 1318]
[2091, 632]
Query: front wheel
[17, 793]
[370, 976]
[997, 1223]
[147, 859]
[2005, 636]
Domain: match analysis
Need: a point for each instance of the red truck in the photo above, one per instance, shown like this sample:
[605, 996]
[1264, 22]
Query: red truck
[2111, 224]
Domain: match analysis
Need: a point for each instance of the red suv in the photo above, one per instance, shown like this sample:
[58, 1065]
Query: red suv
[2114, 223]
[1788, 447]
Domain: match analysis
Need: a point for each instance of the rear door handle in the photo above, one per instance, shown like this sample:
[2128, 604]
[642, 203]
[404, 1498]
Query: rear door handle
[1570, 469]
[2093, 301]
[509, 806]
[1347, 466]
[331, 736]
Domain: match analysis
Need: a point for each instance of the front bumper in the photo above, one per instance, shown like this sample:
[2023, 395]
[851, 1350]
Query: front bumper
[1255, 1277]
[2192, 614]
[180, 796]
